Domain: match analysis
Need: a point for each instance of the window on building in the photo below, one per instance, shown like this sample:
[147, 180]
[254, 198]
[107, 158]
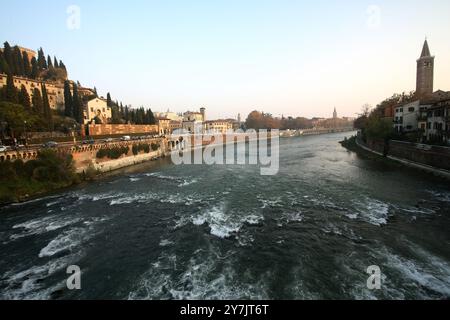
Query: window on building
[429, 125]
[401, 109]
[411, 109]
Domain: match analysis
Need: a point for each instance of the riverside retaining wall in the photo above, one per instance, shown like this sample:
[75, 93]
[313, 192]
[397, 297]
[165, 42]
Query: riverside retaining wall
[431, 158]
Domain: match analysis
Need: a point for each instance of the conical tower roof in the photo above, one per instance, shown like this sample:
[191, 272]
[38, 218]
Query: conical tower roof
[425, 50]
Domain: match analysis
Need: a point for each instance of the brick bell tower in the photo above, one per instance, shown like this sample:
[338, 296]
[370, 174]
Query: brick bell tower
[425, 72]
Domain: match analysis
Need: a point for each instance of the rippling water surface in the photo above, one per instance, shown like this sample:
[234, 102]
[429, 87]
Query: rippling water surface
[159, 231]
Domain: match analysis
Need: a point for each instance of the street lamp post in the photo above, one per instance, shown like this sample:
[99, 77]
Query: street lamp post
[25, 133]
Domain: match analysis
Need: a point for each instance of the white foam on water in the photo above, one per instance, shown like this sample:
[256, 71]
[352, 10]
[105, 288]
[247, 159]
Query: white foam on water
[268, 203]
[27, 284]
[352, 216]
[443, 196]
[43, 225]
[416, 210]
[134, 179]
[34, 200]
[66, 241]
[135, 198]
[187, 182]
[177, 198]
[372, 211]
[162, 176]
[198, 280]
[104, 196]
[165, 243]
[224, 223]
[73, 238]
[428, 271]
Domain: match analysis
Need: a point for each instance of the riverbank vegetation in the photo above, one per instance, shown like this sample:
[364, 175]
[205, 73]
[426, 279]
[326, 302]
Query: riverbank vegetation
[261, 120]
[21, 180]
[112, 153]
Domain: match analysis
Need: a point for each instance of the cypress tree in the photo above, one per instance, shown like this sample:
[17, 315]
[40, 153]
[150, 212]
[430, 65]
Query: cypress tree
[108, 100]
[47, 110]
[49, 62]
[34, 68]
[55, 63]
[8, 55]
[77, 105]
[11, 93]
[151, 117]
[62, 66]
[26, 64]
[38, 104]
[24, 98]
[68, 101]
[4, 67]
[18, 62]
[126, 115]
[42, 63]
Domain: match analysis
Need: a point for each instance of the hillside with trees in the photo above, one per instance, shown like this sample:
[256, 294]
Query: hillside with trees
[260, 120]
[16, 62]
[22, 112]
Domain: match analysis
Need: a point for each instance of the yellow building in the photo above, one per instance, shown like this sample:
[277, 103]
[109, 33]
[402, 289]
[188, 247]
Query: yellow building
[97, 107]
[55, 90]
[31, 53]
[218, 126]
[175, 125]
[190, 116]
[164, 126]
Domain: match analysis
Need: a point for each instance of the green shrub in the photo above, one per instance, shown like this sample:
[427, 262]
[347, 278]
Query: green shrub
[49, 171]
[112, 153]
[135, 149]
[155, 146]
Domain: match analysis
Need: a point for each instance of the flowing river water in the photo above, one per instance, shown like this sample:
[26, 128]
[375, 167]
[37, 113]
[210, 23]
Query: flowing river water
[160, 231]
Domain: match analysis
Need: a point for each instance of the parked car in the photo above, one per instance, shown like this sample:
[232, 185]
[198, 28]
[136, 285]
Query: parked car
[50, 144]
[3, 149]
[109, 140]
[89, 141]
[17, 147]
[125, 138]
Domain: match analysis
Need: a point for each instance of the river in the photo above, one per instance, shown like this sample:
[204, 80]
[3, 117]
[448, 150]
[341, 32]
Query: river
[161, 231]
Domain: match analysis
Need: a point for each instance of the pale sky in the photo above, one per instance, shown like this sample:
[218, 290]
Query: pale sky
[299, 58]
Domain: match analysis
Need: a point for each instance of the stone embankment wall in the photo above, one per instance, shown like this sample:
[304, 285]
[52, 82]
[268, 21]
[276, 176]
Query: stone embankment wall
[435, 159]
[124, 161]
[434, 156]
[88, 156]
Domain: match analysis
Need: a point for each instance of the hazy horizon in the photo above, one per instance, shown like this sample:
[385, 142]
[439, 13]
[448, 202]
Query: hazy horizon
[282, 57]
